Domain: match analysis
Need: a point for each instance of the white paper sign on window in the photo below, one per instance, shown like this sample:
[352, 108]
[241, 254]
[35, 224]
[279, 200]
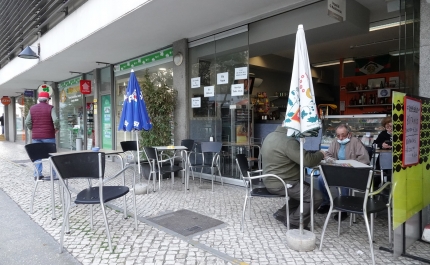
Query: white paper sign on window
[237, 90]
[196, 102]
[209, 91]
[411, 131]
[222, 78]
[240, 73]
[195, 82]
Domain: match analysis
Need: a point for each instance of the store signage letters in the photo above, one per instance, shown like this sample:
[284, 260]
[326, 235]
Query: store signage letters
[85, 86]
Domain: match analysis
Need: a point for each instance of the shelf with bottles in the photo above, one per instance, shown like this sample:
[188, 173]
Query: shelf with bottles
[366, 99]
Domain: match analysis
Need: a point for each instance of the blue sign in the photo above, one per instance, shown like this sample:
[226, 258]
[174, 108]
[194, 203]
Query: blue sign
[29, 93]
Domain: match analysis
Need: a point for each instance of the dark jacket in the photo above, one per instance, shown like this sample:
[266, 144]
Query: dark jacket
[382, 137]
[43, 125]
[281, 157]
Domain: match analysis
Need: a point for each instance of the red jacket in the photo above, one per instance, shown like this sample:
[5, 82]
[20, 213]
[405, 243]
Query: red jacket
[43, 125]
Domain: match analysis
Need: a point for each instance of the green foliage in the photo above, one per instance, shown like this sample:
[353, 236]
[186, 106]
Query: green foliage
[160, 102]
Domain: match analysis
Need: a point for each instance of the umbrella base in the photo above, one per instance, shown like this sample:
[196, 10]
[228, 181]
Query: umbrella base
[301, 242]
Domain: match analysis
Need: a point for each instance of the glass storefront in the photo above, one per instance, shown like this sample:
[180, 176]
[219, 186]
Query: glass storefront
[220, 93]
[160, 68]
[71, 113]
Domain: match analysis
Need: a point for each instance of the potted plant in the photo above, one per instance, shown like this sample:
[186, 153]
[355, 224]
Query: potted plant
[160, 101]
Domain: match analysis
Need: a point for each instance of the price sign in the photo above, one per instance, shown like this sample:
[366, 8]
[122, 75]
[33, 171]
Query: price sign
[195, 82]
[411, 131]
[237, 90]
[222, 78]
[209, 91]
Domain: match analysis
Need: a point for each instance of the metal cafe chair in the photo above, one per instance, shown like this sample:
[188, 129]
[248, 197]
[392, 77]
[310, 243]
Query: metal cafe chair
[210, 158]
[246, 175]
[89, 166]
[358, 179]
[38, 154]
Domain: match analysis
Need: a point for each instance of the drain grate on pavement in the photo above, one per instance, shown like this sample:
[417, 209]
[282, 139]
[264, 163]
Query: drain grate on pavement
[186, 223]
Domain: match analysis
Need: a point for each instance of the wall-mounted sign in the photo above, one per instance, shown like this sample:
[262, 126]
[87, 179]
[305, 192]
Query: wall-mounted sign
[336, 9]
[411, 131]
[45, 88]
[85, 86]
[21, 100]
[222, 78]
[29, 93]
[5, 100]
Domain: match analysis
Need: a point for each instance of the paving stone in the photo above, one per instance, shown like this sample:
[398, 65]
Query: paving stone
[262, 242]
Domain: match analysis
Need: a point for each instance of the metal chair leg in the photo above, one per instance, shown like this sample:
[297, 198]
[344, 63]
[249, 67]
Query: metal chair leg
[366, 220]
[325, 226]
[243, 211]
[107, 226]
[33, 195]
[91, 217]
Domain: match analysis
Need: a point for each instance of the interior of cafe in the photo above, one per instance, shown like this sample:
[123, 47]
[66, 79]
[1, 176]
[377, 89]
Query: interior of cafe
[355, 65]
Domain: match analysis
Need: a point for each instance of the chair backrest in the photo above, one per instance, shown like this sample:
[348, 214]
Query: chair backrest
[369, 151]
[385, 160]
[211, 147]
[242, 163]
[347, 177]
[151, 153]
[80, 165]
[39, 151]
[188, 143]
[129, 146]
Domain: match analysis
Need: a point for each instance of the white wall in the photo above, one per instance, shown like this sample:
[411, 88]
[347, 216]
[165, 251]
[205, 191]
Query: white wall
[98, 14]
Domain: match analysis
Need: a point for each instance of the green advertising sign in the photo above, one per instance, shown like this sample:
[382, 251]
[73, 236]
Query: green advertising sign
[106, 115]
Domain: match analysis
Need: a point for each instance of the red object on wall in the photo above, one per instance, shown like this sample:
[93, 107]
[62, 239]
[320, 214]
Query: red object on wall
[5, 100]
[85, 86]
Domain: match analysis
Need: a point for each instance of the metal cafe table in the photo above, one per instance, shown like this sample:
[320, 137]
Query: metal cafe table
[184, 155]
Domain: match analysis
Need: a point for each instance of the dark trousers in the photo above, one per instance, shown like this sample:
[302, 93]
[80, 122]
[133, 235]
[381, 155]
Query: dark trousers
[294, 202]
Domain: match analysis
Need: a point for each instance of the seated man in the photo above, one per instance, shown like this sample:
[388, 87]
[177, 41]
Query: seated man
[345, 147]
[281, 157]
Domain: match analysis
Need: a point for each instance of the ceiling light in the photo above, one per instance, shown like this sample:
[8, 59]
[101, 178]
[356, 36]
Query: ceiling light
[328, 63]
[390, 24]
[28, 53]
[403, 52]
[162, 69]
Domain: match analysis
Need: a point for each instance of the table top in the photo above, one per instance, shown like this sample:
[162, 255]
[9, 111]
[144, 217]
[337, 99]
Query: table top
[240, 144]
[353, 163]
[107, 152]
[170, 147]
[383, 150]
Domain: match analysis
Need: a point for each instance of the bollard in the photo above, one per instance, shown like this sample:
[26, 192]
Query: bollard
[78, 144]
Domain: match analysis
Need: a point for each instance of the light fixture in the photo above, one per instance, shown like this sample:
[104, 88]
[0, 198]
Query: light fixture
[28, 53]
[403, 52]
[162, 69]
[178, 58]
[390, 24]
[328, 63]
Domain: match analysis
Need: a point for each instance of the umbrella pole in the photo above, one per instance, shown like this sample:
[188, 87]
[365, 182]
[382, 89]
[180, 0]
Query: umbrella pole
[138, 156]
[301, 185]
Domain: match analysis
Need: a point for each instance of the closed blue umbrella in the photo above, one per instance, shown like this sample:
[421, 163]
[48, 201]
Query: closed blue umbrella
[134, 116]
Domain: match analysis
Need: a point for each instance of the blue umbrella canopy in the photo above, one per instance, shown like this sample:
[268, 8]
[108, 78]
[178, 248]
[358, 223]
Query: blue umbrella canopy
[134, 116]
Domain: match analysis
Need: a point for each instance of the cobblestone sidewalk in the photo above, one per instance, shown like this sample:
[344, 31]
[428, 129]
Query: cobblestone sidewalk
[262, 242]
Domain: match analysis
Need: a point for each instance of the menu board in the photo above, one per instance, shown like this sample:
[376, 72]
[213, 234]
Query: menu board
[411, 131]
